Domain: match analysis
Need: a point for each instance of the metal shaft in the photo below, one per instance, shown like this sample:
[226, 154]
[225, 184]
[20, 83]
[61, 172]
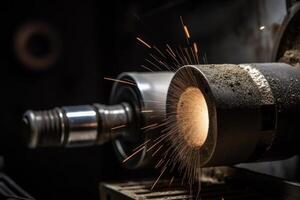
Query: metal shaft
[76, 125]
[134, 106]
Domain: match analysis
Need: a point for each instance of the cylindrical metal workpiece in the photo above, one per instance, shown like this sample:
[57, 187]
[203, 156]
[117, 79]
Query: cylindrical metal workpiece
[71, 126]
[82, 124]
[115, 121]
[147, 96]
[138, 106]
[253, 111]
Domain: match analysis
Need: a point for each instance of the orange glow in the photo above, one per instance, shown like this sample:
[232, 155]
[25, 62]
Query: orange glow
[192, 117]
[187, 33]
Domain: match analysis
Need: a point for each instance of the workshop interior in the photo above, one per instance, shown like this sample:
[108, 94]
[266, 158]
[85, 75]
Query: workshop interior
[140, 100]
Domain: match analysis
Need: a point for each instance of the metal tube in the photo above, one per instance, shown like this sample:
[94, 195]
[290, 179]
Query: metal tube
[253, 111]
[72, 126]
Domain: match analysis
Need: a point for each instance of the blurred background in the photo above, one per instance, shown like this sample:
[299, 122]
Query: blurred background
[56, 53]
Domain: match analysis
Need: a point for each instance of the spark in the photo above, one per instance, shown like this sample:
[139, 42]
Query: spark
[157, 142]
[195, 47]
[141, 145]
[117, 127]
[143, 66]
[163, 135]
[171, 181]
[136, 152]
[149, 126]
[196, 52]
[188, 55]
[185, 155]
[160, 62]
[262, 28]
[158, 125]
[180, 57]
[143, 42]
[153, 64]
[186, 30]
[159, 163]
[174, 149]
[163, 55]
[147, 111]
[167, 50]
[172, 53]
[120, 81]
[194, 55]
[185, 58]
[158, 178]
[161, 146]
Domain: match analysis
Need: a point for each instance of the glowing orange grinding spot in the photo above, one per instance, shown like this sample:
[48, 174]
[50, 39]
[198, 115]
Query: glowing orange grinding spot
[192, 117]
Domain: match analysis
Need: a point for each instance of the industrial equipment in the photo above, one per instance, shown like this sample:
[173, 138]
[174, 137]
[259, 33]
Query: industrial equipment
[159, 134]
[250, 113]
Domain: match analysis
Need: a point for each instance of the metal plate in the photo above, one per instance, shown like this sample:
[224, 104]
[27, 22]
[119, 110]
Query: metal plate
[221, 183]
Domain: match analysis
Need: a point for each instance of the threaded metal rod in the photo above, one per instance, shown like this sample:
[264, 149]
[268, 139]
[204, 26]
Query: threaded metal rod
[76, 125]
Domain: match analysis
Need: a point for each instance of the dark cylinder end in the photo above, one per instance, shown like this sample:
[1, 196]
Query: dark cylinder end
[43, 128]
[252, 113]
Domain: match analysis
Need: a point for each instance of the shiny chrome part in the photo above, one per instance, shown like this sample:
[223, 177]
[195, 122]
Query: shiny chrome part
[137, 110]
[115, 121]
[75, 125]
[148, 100]
[82, 125]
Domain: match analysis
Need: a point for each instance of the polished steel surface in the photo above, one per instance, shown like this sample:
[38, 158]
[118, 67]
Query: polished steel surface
[135, 109]
[82, 125]
[147, 97]
[72, 126]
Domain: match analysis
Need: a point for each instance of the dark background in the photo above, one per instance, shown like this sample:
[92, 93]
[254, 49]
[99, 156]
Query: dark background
[93, 39]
